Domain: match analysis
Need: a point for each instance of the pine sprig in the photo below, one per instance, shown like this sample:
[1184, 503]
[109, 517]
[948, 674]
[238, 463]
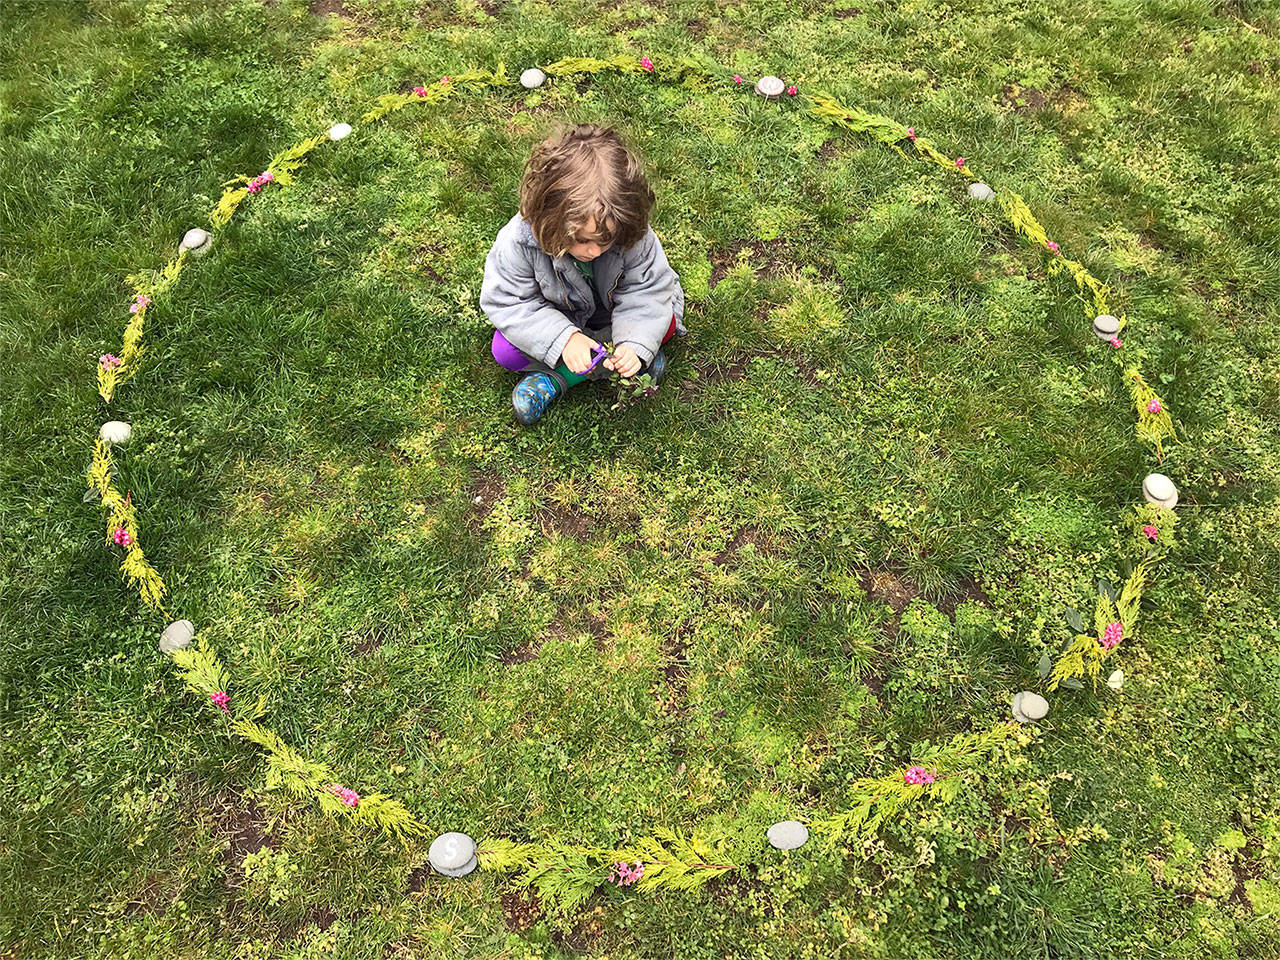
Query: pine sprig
[1153, 426]
[1086, 653]
[201, 670]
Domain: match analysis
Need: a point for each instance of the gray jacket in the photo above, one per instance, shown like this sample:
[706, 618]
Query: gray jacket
[538, 301]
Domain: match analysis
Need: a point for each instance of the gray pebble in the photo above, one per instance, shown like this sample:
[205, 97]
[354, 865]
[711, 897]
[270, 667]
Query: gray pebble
[770, 87]
[532, 78]
[1116, 680]
[979, 191]
[115, 431]
[196, 241]
[1159, 491]
[339, 130]
[788, 835]
[177, 636]
[453, 854]
[1029, 707]
[1105, 326]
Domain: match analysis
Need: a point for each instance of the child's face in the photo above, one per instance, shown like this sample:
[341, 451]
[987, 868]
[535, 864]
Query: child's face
[587, 246]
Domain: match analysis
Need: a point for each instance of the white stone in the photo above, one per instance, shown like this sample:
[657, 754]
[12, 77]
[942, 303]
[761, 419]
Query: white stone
[532, 78]
[115, 431]
[979, 191]
[1116, 680]
[1159, 491]
[1105, 326]
[177, 636]
[453, 854]
[788, 835]
[339, 130]
[196, 241]
[770, 87]
[1029, 707]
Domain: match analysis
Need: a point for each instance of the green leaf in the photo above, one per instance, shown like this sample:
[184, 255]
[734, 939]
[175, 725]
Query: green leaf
[1074, 620]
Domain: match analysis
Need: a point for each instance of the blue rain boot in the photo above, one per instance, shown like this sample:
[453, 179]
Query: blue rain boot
[658, 368]
[534, 394]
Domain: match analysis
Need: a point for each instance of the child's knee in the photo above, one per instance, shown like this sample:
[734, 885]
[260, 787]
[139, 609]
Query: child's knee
[507, 355]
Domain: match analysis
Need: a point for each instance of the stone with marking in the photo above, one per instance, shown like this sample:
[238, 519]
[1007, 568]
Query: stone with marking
[788, 835]
[979, 191]
[1105, 326]
[115, 431]
[1028, 707]
[196, 241]
[453, 854]
[177, 636]
[1159, 491]
[532, 78]
[770, 87]
[339, 130]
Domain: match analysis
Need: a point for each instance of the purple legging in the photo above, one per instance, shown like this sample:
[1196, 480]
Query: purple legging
[509, 356]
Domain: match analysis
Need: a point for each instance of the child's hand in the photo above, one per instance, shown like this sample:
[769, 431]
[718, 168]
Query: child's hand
[577, 352]
[624, 361]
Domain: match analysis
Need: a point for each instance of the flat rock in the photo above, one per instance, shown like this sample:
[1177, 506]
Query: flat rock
[979, 191]
[1159, 491]
[339, 130]
[532, 78]
[788, 835]
[1116, 680]
[196, 241]
[1029, 707]
[115, 431]
[770, 87]
[177, 636]
[1105, 326]
[452, 852]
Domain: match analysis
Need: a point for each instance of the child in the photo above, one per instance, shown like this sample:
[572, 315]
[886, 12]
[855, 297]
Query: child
[577, 266]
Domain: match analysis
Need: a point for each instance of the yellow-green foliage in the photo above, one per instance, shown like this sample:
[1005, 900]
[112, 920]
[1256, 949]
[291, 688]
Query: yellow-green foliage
[201, 670]
[1024, 222]
[1086, 654]
[1152, 427]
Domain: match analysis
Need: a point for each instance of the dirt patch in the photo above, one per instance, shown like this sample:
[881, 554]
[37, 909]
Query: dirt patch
[492, 7]
[322, 8]
[486, 489]
[521, 910]
[775, 253]
[829, 149]
[371, 638]
[585, 933]
[418, 878]
[890, 585]
[425, 256]
[566, 522]
[846, 13]
[1029, 99]
[734, 367]
[968, 589]
[322, 917]
[749, 534]
[521, 654]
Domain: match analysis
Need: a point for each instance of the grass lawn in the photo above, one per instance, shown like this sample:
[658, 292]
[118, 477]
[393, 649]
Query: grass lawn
[886, 460]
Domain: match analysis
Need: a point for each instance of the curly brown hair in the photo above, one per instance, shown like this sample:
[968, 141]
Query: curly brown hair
[582, 172]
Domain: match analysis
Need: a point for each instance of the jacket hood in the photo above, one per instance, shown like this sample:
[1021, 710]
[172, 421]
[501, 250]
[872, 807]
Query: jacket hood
[524, 233]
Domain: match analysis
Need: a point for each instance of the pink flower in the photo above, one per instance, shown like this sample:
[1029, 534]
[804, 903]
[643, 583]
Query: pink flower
[444, 79]
[911, 134]
[348, 797]
[121, 537]
[792, 91]
[1116, 342]
[220, 700]
[420, 91]
[1154, 407]
[109, 361]
[1112, 635]
[140, 302]
[647, 64]
[267, 176]
[254, 186]
[622, 875]
[918, 775]
[736, 78]
[1051, 247]
[1150, 531]
[959, 163]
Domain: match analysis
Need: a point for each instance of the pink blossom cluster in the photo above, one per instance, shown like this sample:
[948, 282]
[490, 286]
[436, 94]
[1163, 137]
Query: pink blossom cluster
[257, 182]
[1150, 531]
[1154, 407]
[444, 79]
[647, 64]
[1052, 247]
[220, 700]
[121, 537]
[1116, 342]
[959, 163]
[140, 302]
[911, 134]
[918, 775]
[420, 91]
[349, 797]
[792, 91]
[622, 875]
[736, 78]
[1112, 635]
[109, 361]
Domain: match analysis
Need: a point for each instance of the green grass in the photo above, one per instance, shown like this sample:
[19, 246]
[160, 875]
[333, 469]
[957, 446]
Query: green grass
[881, 396]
